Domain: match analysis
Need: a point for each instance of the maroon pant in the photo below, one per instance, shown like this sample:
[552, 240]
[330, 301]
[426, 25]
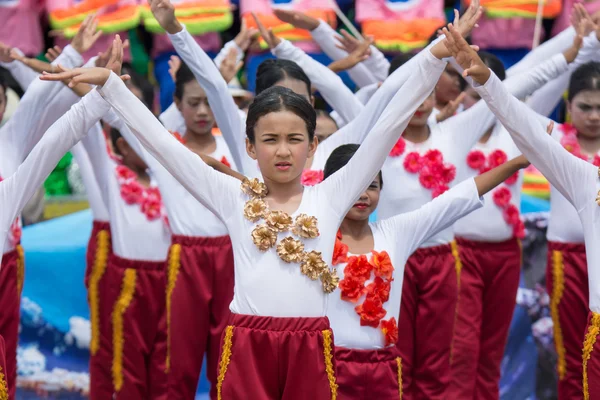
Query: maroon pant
[268, 358]
[567, 285]
[4, 388]
[368, 374]
[591, 359]
[98, 251]
[132, 303]
[11, 285]
[426, 322]
[199, 291]
[489, 281]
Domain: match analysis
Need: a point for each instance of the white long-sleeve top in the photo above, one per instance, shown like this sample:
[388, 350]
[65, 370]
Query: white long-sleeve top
[22, 73]
[16, 190]
[133, 235]
[265, 285]
[454, 138]
[399, 236]
[576, 179]
[232, 123]
[187, 216]
[92, 189]
[43, 103]
[327, 82]
[373, 70]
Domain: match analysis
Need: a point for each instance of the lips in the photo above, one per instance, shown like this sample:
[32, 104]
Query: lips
[361, 206]
[283, 166]
[418, 113]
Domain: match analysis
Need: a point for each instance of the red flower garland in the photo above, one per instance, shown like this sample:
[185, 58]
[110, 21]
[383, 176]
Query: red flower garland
[502, 196]
[357, 271]
[571, 144]
[434, 174]
[132, 192]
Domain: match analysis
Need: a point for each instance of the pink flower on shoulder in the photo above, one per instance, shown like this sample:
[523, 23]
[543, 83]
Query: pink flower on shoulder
[311, 177]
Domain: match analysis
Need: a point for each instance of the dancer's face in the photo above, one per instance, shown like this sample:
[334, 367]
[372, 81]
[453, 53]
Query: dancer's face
[3, 100]
[281, 146]
[194, 107]
[585, 113]
[325, 127]
[448, 86]
[367, 202]
[420, 117]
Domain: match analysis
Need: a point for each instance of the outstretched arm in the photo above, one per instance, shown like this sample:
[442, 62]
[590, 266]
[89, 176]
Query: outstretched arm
[16, 191]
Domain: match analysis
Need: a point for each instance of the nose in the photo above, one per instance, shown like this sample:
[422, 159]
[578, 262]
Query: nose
[283, 150]
[202, 109]
[364, 196]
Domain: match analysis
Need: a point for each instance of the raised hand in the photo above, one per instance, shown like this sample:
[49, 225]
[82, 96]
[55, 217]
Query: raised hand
[465, 56]
[450, 109]
[53, 52]
[164, 12]
[246, 36]
[296, 18]
[580, 18]
[360, 54]
[174, 65]
[33, 63]
[347, 42]
[230, 67]
[104, 56]
[465, 24]
[87, 35]
[580, 28]
[92, 76]
[267, 34]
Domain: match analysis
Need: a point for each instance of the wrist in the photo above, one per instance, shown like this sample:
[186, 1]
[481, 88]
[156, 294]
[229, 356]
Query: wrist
[570, 54]
[173, 27]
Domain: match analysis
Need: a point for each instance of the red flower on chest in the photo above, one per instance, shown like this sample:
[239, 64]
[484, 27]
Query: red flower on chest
[382, 265]
[358, 268]
[371, 312]
[390, 331]
[379, 288]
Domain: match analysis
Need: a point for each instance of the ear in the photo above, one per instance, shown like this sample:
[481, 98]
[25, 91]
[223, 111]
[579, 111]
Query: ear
[177, 103]
[312, 100]
[251, 149]
[312, 146]
[568, 105]
[122, 147]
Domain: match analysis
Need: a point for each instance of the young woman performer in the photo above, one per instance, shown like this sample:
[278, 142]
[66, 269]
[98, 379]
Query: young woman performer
[575, 178]
[278, 339]
[363, 315]
[430, 284]
[41, 106]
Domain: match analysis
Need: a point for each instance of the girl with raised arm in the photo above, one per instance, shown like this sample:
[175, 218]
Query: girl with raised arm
[278, 343]
[370, 258]
[574, 178]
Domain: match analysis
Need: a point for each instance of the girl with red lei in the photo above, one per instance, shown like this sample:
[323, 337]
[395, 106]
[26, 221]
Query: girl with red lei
[577, 181]
[371, 267]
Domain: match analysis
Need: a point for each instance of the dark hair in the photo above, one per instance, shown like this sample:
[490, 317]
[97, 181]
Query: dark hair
[142, 83]
[115, 134]
[323, 113]
[399, 61]
[4, 86]
[340, 157]
[494, 63]
[278, 98]
[585, 77]
[183, 76]
[273, 70]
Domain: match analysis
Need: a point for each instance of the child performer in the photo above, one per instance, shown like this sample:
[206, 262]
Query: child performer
[200, 261]
[39, 108]
[576, 179]
[371, 265]
[428, 159]
[278, 343]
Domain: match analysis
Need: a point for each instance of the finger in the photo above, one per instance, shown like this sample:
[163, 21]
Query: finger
[244, 26]
[93, 26]
[456, 16]
[125, 77]
[238, 67]
[56, 33]
[460, 98]
[550, 128]
[96, 36]
[126, 44]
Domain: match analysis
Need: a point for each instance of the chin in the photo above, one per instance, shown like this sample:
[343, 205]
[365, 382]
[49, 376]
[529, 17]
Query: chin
[359, 215]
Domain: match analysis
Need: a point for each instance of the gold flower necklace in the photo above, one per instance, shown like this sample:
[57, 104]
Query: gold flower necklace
[289, 249]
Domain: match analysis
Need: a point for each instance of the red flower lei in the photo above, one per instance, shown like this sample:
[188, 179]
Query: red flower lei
[16, 231]
[357, 271]
[571, 144]
[502, 196]
[132, 192]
